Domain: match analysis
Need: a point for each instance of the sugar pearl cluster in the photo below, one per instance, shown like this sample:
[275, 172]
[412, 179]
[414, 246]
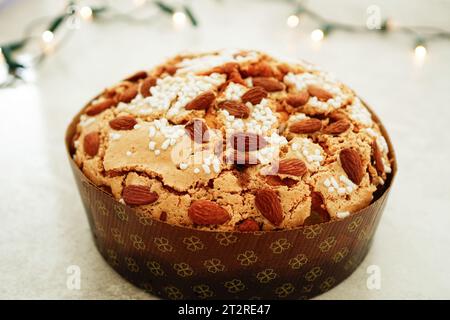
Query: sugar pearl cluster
[261, 120]
[359, 113]
[345, 185]
[171, 134]
[210, 163]
[270, 153]
[234, 91]
[207, 62]
[310, 152]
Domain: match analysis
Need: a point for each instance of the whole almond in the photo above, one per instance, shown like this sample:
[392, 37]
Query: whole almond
[337, 115]
[269, 205]
[137, 76]
[128, 94]
[201, 102]
[98, 107]
[146, 85]
[91, 143]
[297, 99]
[248, 225]
[352, 164]
[259, 69]
[138, 195]
[123, 123]
[306, 126]
[246, 142]
[254, 95]
[377, 158]
[319, 93]
[269, 84]
[337, 127]
[205, 212]
[235, 108]
[294, 167]
[197, 130]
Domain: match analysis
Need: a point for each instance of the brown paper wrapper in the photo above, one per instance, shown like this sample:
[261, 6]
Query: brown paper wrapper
[177, 262]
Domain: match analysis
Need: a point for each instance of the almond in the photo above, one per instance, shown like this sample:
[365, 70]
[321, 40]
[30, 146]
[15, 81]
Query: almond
[197, 130]
[306, 126]
[260, 69]
[294, 167]
[234, 108]
[146, 85]
[91, 143]
[137, 76]
[201, 102]
[377, 158]
[297, 99]
[269, 205]
[127, 95]
[254, 95]
[319, 93]
[269, 84]
[248, 225]
[205, 212]
[337, 115]
[138, 195]
[98, 107]
[352, 164]
[123, 123]
[337, 127]
[246, 142]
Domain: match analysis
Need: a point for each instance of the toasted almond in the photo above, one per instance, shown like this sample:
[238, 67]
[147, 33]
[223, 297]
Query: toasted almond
[319, 93]
[123, 123]
[337, 127]
[248, 225]
[91, 143]
[201, 102]
[137, 76]
[246, 142]
[294, 167]
[138, 195]
[146, 85]
[127, 95]
[297, 99]
[377, 158]
[337, 115]
[205, 212]
[269, 205]
[197, 130]
[259, 69]
[269, 84]
[235, 108]
[306, 126]
[254, 95]
[98, 107]
[352, 164]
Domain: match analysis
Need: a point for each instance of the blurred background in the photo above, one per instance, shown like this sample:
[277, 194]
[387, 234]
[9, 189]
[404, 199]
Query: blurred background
[56, 55]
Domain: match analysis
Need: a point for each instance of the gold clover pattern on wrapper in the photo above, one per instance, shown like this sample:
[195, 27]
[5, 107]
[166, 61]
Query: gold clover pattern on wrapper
[174, 262]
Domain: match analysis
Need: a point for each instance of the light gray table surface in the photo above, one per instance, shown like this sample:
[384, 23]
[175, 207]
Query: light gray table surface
[43, 228]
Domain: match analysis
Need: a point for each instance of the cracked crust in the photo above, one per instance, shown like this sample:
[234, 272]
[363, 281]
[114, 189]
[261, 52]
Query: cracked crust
[185, 96]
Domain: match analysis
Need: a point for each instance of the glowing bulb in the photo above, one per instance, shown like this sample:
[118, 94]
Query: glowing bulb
[47, 36]
[292, 21]
[420, 51]
[139, 3]
[179, 19]
[317, 35]
[86, 12]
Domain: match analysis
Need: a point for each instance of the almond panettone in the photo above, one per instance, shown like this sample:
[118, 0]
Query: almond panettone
[234, 140]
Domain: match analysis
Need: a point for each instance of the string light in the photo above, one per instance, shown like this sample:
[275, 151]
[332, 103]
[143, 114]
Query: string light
[179, 19]
[420, 52]
[47, 36]
[86, 13]
[292, 21]
[317, 35]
